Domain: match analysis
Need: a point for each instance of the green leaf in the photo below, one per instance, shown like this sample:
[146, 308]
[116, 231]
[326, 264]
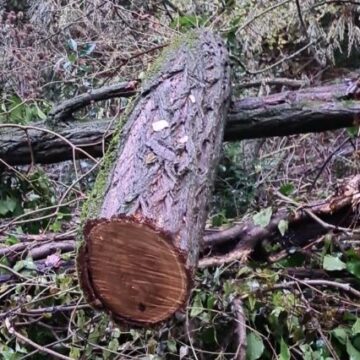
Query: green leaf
[113, 344]
[3, 208]
[8, 353]
[353, 266]
[353, 131]
[27, 264]
[287, 189]
[40, 113]
[116, 333]
[255, 346]
[187, 22]
[341, 334]
[74, 353]
[356, 327]
[72, 58]
[333, 263]
[283, 226]
[11, 240]
[197, 306]
[7, 205]
[284, 351]
[353, 353]
[210, 302]
[11, 203]
[72, 44]
[171, 345]
[263, 217]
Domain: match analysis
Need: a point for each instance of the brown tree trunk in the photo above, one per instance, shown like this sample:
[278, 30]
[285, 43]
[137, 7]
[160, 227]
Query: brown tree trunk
[292, 112]
[146, 217]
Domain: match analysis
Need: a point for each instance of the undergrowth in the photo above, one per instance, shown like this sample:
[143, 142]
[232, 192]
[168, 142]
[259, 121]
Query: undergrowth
[294, 300]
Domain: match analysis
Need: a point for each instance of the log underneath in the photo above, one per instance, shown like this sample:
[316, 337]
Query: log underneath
[292, 112]
[147, 214]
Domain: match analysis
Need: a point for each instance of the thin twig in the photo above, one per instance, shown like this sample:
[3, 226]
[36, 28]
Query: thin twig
[293, 83]
[298, 7]
[271, 8]
[270, 67]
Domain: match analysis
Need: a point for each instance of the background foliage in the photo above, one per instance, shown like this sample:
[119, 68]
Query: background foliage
[52, 50]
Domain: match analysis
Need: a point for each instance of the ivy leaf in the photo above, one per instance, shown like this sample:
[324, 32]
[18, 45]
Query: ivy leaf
[27, 264]
[171, 345]
[356, 327]
[263, 217]
[197, 306]
[341, 334]
[283, 226]
[333, 263]
[353, 353]
[40, 113]
[7, 205]
[255, 346]
[353, 267]
[75, 353]
[284, 351]
[11, 240]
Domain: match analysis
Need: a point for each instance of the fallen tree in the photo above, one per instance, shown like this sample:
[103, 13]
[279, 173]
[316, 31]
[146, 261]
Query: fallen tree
[151, 196]
[292, 112]
[146, 216]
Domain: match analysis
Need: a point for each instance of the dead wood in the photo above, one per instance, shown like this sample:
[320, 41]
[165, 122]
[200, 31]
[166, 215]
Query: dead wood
[64, 111]
[240, 319]
[339, 213]
[145, 222]
[292, 112]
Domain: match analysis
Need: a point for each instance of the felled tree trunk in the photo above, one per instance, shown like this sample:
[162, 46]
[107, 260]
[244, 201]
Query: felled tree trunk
[292, 112]
[147, 213]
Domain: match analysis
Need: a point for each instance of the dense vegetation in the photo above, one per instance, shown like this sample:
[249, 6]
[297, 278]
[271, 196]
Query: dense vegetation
[295, 294]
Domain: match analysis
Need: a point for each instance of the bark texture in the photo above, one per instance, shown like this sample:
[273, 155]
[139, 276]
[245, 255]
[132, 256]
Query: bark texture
[306, 110]
[18, 147]
[294, 112]
[147, 215]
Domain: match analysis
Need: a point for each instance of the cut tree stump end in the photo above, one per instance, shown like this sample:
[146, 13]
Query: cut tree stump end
[134, 271]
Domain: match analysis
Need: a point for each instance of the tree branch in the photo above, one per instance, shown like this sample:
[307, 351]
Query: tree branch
[292, 112]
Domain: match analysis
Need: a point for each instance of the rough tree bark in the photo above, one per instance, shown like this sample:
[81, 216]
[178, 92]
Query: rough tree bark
[292, 112]
[147, 216]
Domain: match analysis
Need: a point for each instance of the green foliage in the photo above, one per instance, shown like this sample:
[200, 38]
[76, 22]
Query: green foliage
[234, 187]
[263, 217]
[285, 317]
[287, 189]
[333, 263]
[24, 194]
[254, 346]
[185, 23]
[14, 110]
